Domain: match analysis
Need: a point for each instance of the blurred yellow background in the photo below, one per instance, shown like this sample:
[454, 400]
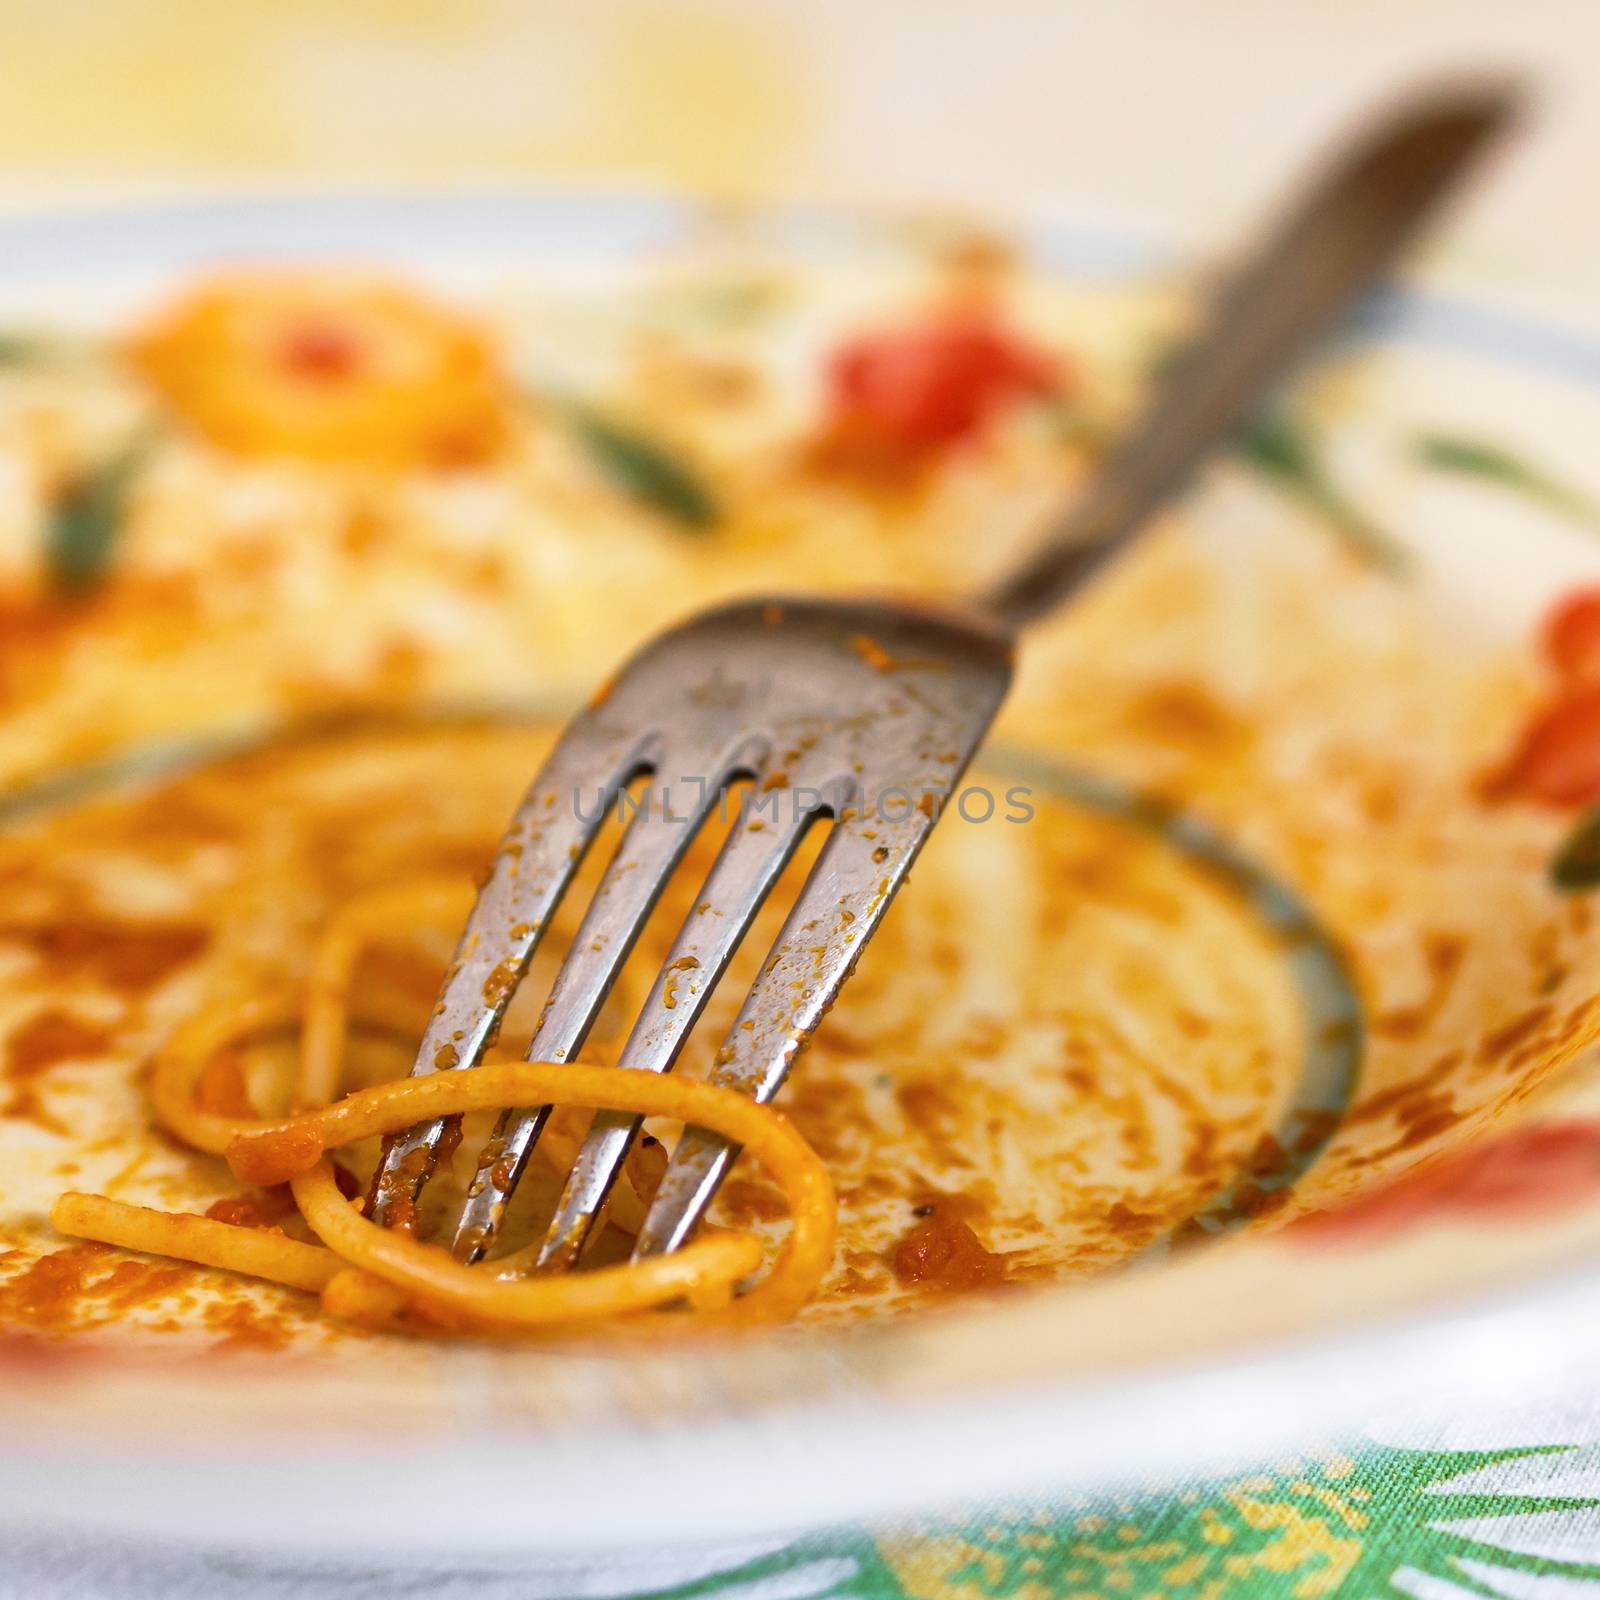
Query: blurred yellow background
[423, 88]
[1175, 110]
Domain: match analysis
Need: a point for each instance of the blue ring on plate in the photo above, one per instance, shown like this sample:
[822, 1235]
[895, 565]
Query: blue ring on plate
[1332, 1018]
[1334, 1030]
[64, 244]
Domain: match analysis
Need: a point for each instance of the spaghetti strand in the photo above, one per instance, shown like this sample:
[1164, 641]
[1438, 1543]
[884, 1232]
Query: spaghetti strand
[368, 1273]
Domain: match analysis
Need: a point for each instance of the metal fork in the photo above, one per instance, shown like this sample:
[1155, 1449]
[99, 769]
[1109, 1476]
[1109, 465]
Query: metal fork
[859, 715]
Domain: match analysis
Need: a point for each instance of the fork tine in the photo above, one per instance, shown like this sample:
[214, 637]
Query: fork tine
[881, 693]
[741, 878]
[651, 847]
[809, 962]
[537, 858]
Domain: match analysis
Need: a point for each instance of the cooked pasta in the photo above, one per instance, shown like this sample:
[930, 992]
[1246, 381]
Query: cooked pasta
[413, 1276]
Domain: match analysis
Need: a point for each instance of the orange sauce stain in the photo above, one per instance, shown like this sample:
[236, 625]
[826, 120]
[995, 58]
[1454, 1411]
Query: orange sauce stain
[872, 652]
[84, 1286]
[266, 1208]
[45, 1041]
[942, 1251]
[129, 958]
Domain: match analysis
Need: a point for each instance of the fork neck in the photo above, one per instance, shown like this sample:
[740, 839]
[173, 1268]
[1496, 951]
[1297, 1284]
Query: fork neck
[1085, 539]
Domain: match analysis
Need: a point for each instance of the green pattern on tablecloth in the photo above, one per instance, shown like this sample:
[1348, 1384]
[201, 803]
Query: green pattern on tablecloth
[1518, 1524]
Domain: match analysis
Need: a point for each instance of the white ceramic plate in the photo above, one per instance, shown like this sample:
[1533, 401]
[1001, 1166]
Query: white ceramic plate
[967, 1406]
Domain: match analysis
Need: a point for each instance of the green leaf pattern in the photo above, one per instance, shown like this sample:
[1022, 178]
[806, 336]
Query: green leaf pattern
[1409, 1516]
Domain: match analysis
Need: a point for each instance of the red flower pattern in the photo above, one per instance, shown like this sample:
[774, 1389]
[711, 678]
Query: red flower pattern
[1541, 1168]
[1556, 761]
[905, 393]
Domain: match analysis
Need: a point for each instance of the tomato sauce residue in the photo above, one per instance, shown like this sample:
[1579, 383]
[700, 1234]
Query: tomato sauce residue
[1444, 955]
[1186, 714]
[85, 1286]
[942, 1251]
[872, 652]
[128, 958]
[244, 1326]
[264, 1208]
[398, 1184]
[45, 1041]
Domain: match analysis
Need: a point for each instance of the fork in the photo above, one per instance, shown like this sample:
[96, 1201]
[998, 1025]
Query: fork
[859, 715]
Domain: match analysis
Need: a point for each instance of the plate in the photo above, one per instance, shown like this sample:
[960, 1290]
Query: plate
[1443, 983]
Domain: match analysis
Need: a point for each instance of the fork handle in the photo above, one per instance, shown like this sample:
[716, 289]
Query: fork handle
[1334, 244]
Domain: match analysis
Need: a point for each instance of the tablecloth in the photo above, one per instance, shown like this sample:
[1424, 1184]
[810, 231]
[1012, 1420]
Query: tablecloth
[1432, 1506]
